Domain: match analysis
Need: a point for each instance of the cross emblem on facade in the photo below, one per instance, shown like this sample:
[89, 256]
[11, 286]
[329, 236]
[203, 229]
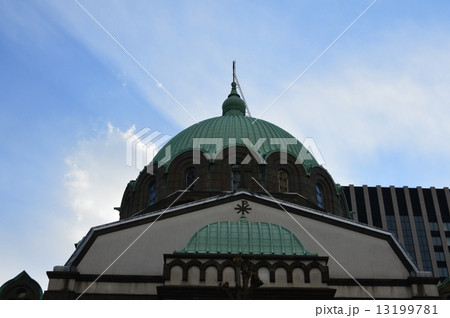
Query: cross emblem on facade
[243, 208]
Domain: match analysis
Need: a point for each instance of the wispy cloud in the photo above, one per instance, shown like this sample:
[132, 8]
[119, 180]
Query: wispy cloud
[96, 178]
[378, 95]
[359, 113]
[93, 182]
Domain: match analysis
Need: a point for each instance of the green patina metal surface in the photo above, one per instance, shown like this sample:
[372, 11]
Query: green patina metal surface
[445, 282]
[23, 278]
[132, 184]
[243, 237]
[236, 127]
[233, 105]
[233, 124]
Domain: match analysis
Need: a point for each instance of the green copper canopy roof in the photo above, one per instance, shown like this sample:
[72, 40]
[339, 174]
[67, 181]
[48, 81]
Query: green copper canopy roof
[243, 237]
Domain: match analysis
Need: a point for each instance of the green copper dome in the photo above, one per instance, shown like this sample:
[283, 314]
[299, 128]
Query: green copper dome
[243, 237]
[234, 125]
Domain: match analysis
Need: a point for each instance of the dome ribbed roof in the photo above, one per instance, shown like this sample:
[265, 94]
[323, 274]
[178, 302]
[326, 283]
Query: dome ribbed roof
[237, 127]
[234, 125]
[243, 237]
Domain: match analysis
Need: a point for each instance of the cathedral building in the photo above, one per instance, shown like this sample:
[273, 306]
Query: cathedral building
[235, 207]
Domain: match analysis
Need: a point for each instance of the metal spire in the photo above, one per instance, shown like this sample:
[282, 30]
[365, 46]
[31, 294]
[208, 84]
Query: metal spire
[239, 87]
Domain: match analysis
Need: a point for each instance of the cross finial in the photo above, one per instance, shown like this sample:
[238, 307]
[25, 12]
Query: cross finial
[234, 71]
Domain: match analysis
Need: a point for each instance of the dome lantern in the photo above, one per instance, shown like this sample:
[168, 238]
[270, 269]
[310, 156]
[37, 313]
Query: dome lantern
[233, 105]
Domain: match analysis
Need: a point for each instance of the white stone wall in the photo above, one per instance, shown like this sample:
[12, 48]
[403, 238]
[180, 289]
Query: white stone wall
[362, 255]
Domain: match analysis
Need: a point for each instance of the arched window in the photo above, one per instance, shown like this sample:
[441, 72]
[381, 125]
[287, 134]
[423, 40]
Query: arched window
[319, 195]
[189, 177]
[283, 181]
[152, 195]
[235, 177]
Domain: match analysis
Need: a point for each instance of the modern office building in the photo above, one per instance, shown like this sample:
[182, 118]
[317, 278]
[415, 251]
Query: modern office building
[419, 217]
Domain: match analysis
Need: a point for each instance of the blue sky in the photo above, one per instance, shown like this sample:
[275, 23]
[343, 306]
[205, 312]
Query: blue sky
[376, 103]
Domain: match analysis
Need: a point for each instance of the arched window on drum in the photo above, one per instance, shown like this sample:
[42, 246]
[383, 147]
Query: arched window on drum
[152, 194]
[189, 177]
[319, 196]
[235, 177]
[283, 181]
